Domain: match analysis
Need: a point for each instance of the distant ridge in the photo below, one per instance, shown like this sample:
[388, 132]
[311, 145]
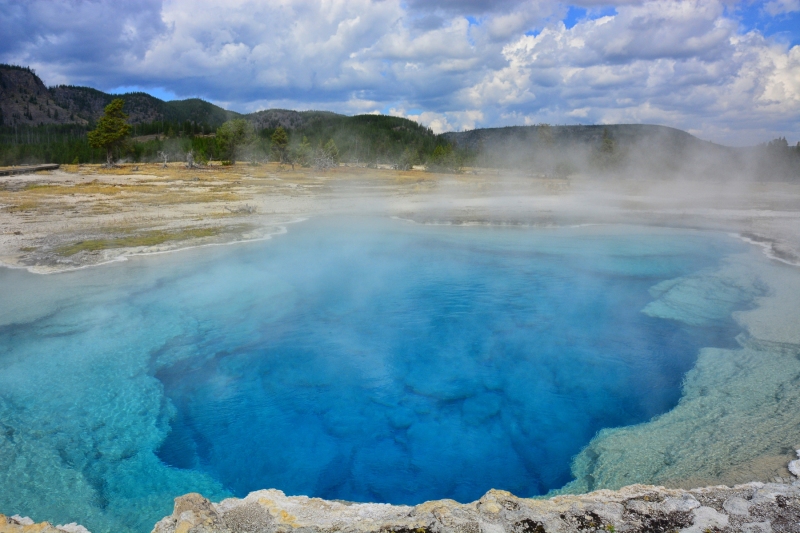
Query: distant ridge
[49, 125]
[288, 118]
[28, 109]
[26, 101]
[653, 149]
[623, 134]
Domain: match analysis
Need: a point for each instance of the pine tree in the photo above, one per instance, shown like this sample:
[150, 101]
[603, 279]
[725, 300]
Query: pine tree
[233, 135]
[111, 130]
[545, 133]
[302, 154]
[607, 144]
[280, 143]
[332, 151]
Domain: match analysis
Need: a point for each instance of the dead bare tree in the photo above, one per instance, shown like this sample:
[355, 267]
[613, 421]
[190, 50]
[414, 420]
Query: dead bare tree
[323, 160]
[245, 209]
[164, 156]
[190, 159]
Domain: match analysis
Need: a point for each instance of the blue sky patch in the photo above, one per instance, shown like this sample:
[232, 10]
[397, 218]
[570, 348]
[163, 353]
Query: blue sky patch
[783, 27]
[578, 14]
[158, 92]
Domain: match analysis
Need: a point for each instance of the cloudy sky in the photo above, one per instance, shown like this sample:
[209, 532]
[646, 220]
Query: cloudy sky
[725, 70]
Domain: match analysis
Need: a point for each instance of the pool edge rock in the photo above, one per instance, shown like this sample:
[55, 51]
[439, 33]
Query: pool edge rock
[749, 508]
[19, 524]
[752, 507]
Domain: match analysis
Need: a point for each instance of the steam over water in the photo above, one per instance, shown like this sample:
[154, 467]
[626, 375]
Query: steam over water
[364, 360]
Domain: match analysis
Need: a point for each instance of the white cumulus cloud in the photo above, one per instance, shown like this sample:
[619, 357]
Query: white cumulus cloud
[677, 63]
[458, 64]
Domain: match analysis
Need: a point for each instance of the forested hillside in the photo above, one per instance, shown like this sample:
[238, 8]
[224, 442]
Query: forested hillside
[632, 150]
[361, 138]
[49, 125]
[40, 124]
[25, 102]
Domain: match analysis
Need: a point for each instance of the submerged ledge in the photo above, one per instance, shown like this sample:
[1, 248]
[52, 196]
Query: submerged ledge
[736, 420]
[752, 507]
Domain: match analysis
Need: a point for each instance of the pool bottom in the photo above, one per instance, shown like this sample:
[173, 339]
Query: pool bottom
[414, 363]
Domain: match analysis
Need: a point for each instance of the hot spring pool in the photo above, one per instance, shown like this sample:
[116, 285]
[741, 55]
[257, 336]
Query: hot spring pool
[353, 359]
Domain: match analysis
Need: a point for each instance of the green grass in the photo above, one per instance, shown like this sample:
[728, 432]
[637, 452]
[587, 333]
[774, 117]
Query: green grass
[150, 238]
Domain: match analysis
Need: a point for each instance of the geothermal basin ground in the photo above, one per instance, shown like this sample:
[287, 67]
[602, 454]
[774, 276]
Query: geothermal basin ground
[542, 336]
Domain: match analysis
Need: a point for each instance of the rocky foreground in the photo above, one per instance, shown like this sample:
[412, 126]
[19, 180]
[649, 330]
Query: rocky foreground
[751, 508]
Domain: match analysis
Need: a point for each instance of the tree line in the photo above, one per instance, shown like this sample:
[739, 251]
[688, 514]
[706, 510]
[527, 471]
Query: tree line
[326, 139]
[367, 140]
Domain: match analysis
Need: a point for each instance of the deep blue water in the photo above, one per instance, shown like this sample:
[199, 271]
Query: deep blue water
[363, 360]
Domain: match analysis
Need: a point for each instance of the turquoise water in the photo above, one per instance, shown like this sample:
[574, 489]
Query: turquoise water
[364, 360]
